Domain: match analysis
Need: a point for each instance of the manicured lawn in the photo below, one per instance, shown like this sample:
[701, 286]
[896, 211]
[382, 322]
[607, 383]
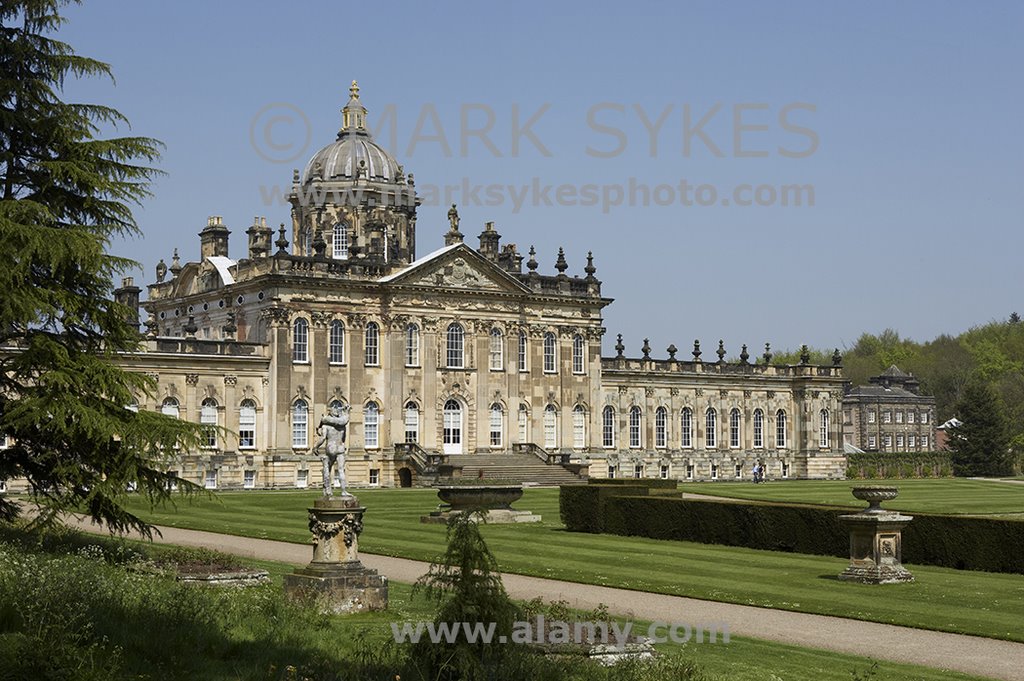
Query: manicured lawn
[980, 603]
[945, 496]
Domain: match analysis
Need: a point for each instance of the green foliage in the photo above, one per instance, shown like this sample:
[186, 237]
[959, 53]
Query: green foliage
[870, 465]
[966, 543]
[466, 586]
[981, 444]
[64, 194]
[581, 507]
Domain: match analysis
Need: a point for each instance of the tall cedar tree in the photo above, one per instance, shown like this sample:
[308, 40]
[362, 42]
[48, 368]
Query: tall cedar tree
[981, 444]
[66, 192]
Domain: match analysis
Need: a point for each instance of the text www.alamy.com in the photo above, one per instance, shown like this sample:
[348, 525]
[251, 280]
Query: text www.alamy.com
[557, 631]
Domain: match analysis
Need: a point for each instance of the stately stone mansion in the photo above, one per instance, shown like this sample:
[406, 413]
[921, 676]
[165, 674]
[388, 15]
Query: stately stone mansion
[456, 354]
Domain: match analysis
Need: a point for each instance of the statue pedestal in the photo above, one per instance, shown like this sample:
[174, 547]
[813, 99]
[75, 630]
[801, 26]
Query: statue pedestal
[335, 577]
[876, 548]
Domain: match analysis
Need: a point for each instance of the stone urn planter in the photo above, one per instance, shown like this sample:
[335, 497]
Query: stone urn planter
[875, 495]
[876, 540]
[474, 497]
[495, 499]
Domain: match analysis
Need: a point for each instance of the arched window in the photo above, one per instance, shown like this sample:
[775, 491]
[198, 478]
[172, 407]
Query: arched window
[169, 407]
[497, 424]
[339, 241]
[452, 427]
[550, 353]
[456, 344]
[372, 344]
[608, 426]
[578, 354]
[247, 425]
[780, 429]
[579, 427]
[208, 419]
[710, 429]
[734, 429]
[550, 427]
[336, 343]
[522, 352]
[371, 424]
[661, 428]
[412, 422]
[300, 424]
[524, 423]
[497, 350]
[300, 340]
[823, 434]
[412, 345]
[686, 427]
[758, 429]
[634, 427]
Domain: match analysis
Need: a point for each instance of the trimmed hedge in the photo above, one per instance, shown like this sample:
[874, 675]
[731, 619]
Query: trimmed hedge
[964, 543]
[869, 465]
[581, 507]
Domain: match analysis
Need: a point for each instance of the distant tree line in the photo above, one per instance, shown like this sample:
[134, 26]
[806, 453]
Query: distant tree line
[976, 376]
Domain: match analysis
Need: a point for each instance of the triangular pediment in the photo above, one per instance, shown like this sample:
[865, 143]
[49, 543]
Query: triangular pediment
[457, 267]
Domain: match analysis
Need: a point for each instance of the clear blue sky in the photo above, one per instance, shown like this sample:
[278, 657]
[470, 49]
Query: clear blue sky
[911, 112]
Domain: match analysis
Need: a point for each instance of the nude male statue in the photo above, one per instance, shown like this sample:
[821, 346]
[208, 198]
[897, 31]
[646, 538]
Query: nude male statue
[333, 436]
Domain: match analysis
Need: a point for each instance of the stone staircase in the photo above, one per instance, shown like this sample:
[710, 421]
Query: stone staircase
[517, 466]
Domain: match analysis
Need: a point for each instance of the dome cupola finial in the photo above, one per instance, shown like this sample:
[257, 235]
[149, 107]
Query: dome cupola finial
[353, 116]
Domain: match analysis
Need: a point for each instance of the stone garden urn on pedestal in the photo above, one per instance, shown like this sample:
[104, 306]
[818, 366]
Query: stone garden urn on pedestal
[876, 545]
[340, 583]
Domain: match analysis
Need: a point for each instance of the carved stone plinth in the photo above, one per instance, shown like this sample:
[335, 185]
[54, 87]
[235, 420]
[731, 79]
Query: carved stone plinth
[876, 548]
[335, 577]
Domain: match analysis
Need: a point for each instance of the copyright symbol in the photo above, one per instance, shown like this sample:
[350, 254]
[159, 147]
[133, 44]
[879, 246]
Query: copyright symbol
[280, 132]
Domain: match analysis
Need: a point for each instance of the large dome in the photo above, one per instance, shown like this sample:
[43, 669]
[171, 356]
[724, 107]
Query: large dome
[354, 152]
[341, 159]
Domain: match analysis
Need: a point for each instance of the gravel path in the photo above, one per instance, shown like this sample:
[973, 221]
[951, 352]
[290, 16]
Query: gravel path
[969, 654]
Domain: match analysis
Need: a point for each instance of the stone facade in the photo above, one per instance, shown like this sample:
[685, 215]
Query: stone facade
[458, 352]
[890, 415]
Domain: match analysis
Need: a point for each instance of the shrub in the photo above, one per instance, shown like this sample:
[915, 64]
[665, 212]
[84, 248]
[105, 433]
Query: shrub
[949, 541]
[872, 465]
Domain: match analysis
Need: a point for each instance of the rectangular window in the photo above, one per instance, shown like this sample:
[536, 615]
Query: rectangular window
[899, 417]
[302, 479]
[887, 442]
[871, 417]
[210, 481]
[375, 476]
[714, 471]
[611, 471]
[739, 471]
[336, 343]
[924, 442]
[664, 472]
[247, 426]
[899, 442]
[522, 352]
[495, 431]
[412, 423]
[638, 470]
[785, 469]
[524, 424]
[911, 417]
[886, 417]
[872, 442]
[497, 351]
[412, 346]
[911, 441]
[689, 471]
[924, 417]
[249, 479]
